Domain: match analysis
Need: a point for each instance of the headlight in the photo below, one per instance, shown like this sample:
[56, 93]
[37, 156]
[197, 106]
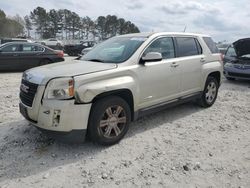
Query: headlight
[60, 88]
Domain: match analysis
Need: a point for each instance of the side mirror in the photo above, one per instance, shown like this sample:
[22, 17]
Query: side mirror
[151, 56]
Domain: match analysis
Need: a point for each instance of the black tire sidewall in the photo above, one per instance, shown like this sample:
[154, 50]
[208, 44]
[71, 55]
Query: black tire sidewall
[96, 113]
[203, 98]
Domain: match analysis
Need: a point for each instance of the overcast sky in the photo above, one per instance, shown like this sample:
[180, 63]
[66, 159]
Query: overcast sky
[224, 19]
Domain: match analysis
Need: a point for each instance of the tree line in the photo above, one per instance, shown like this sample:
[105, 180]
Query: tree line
[11, 27]
[66, 24]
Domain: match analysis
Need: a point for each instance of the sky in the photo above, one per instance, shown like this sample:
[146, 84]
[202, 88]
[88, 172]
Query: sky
[223, 20]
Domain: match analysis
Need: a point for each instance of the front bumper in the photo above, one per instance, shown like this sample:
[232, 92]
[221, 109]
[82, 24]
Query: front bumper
[62, 116]
[231, 72]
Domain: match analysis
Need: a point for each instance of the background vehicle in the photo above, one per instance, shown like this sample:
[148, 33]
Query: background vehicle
[76, 49]
[19, 56]
[118, 81]
[5, 40]
[52, 42]
[237, 60]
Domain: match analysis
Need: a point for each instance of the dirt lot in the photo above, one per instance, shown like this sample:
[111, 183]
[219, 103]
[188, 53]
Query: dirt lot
[185, 146]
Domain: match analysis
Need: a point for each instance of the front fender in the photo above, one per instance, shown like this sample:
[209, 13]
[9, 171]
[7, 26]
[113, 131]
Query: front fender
[87, 92]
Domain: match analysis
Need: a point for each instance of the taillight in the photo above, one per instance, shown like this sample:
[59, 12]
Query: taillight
[60, 54]
[222, 57]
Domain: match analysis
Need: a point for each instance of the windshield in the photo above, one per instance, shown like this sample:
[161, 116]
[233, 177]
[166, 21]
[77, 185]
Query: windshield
[114, 50]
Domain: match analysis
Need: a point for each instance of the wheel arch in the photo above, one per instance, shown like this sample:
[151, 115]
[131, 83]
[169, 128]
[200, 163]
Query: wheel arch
[216, 75]
[125, 94]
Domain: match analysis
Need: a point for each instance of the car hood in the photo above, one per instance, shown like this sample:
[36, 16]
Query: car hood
[242, 47]
[41, 75]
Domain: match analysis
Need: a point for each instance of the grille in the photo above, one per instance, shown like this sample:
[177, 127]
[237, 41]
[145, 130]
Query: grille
[27, 92]
[239, 75]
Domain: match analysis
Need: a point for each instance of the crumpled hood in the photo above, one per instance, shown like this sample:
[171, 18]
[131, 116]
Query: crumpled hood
[41, 75]
[242, 47]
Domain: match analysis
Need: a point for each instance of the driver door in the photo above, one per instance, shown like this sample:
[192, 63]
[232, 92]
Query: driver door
[159, 81]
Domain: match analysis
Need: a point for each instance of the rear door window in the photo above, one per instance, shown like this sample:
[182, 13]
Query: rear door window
[31, 48]
[211, 45]
[187, 46]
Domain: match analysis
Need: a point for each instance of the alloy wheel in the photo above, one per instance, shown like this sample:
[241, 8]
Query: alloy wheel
[211, 92]
[113, 122]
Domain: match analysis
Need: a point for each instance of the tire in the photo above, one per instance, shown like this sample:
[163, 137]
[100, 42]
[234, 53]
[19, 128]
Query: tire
[44, 62]
[230, 79]
[210, 92]
[103, 126]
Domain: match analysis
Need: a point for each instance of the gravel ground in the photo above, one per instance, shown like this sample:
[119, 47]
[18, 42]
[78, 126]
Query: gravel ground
[185, 146]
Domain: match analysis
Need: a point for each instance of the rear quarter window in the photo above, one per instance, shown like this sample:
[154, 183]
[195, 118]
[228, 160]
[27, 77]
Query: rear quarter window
[211, 45]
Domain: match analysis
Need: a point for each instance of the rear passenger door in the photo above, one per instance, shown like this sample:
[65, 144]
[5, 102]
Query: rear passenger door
[190, 59]
[31, 55]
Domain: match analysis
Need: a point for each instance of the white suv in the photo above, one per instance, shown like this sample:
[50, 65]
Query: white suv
[119, 81]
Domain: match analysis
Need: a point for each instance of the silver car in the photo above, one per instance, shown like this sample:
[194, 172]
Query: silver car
[237, 60]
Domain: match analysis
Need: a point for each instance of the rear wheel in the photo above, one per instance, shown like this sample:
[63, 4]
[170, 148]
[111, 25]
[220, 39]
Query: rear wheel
[210, 92]
[109, 120]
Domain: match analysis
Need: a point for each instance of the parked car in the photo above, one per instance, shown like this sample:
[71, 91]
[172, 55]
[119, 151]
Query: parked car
[118, 81]
[20, 56]
[237, 60]
[5, 40]
[76, 49]
[52, 42]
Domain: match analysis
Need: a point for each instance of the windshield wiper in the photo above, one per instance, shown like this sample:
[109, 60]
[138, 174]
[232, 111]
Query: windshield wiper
[95, 60]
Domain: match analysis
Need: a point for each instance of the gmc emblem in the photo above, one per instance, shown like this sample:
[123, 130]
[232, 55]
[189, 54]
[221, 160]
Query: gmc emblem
[24, 88]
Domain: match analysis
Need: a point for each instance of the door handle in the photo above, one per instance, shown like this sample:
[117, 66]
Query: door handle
[202, 60]
[174, 64]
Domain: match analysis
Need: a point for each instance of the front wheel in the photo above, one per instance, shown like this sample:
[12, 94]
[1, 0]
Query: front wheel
[210, 92]
[109, 120]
